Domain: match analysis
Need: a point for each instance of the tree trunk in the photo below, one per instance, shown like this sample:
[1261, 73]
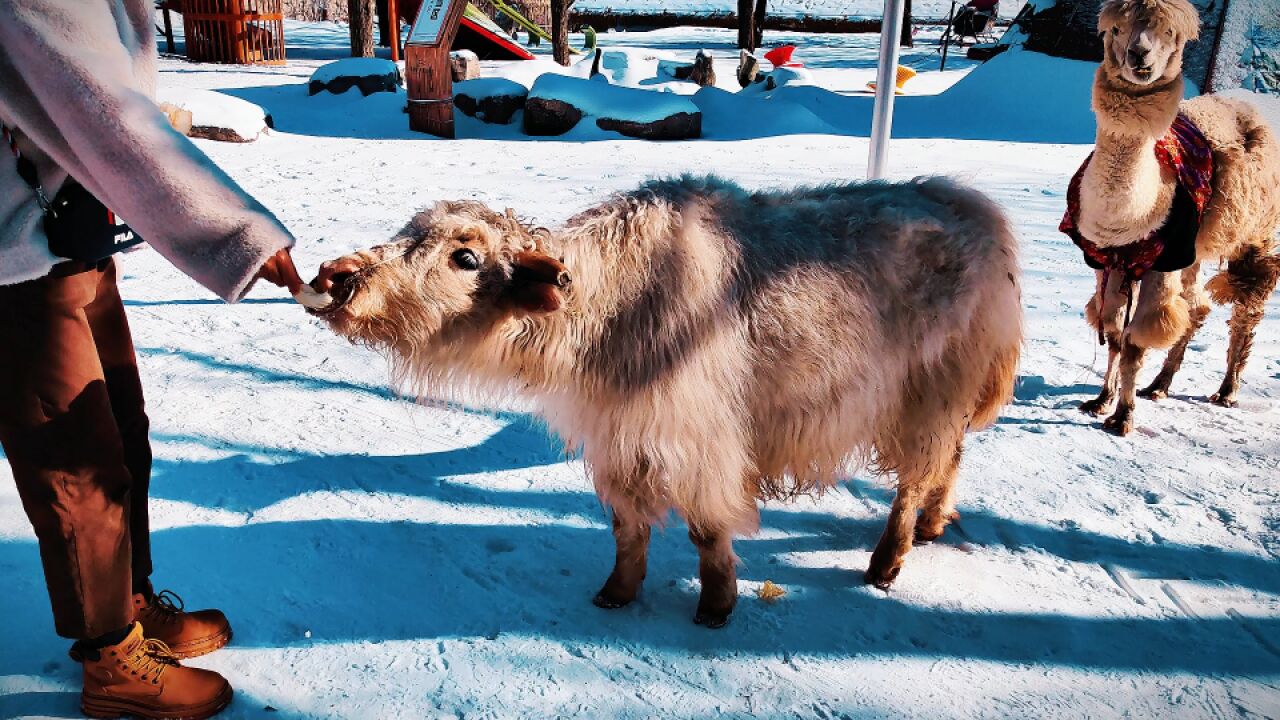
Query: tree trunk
[746, 26]
[907, 40]
[757, 23]
[560, 30]
[360, 18]
[384, 24]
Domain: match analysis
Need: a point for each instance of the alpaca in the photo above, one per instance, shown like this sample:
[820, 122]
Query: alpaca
[716, 346]
[1147, 223]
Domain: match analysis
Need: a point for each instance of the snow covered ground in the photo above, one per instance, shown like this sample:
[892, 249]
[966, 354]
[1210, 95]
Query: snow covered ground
[932, 9]
[380, 558]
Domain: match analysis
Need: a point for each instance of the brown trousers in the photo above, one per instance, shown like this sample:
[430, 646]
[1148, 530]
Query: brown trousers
[74, 428]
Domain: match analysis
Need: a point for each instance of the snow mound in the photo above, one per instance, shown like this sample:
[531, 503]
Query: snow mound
[215, 116]
[370, 75]
[601, 99]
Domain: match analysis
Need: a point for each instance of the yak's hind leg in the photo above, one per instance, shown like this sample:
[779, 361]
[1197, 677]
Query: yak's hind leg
[1249, 280]
[631, 536]
[1198, 308]
[717, 569]
[940, 504]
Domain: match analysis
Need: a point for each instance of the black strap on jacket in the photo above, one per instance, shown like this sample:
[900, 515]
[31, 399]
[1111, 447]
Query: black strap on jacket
[26, 168]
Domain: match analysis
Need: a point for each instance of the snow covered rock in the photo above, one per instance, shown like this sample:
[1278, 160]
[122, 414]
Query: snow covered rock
[370, 75]
[215, 116]
[493, 100]
[557, 103]
[464, 65]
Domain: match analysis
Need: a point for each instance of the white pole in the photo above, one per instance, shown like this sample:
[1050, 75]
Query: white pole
[886, 83]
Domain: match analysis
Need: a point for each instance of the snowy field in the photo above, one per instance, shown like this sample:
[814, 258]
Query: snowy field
[380, 558]
[932, 9]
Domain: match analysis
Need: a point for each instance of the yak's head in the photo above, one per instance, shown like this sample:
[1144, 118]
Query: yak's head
[1143, 39]
[453, 274]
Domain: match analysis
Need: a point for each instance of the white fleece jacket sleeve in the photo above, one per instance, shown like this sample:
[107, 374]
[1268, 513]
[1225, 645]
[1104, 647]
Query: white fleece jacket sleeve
[98, 121]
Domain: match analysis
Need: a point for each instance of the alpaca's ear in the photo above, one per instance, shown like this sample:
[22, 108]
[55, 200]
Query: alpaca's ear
[537, 281]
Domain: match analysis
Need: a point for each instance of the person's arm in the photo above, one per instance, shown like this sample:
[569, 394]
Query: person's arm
[99, 123]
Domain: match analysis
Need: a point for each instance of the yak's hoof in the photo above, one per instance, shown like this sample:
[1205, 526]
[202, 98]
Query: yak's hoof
[882, 578]
[1154, 392]
[714, 619]
[924, 535]
[608, 602]
[1223, 400]
[1095, 407]
[1120, 424]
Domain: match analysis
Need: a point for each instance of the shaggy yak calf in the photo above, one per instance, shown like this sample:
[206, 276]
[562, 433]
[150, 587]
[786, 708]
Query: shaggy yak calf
[706, 347]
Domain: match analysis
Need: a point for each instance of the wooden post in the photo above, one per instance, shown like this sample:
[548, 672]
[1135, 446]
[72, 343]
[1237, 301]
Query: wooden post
[427, 70]
[393, 12]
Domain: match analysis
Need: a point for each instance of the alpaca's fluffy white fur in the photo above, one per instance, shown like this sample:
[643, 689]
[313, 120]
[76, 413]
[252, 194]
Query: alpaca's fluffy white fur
[1125, 195]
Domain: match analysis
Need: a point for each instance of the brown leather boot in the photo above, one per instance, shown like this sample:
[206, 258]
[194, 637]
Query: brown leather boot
[142, 678]
[188, 634]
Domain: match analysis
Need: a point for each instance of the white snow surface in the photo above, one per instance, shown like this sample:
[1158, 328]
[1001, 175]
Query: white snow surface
[931, 9]
[215, 109]
[381, 558]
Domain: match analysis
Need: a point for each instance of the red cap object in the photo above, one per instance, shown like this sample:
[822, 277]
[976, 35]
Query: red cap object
[781, 56]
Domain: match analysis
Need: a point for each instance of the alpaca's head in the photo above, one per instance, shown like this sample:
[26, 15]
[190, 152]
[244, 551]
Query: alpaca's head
[1143, 39]
[453, 275]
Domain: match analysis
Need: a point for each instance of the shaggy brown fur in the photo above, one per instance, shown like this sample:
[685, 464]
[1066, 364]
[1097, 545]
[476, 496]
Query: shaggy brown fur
[1125, 195]
[717, 346]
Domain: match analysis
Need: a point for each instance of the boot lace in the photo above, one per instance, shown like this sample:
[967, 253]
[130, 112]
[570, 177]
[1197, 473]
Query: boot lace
[165, 606]
[150, 659]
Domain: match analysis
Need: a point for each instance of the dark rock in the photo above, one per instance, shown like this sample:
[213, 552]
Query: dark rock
[543, 116]
[681, 126]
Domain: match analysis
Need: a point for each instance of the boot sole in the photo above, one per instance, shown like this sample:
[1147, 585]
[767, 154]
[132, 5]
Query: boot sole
[204, 646]
[100, 707]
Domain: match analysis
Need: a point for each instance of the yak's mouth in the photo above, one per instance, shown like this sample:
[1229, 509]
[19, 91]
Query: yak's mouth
[342, 292]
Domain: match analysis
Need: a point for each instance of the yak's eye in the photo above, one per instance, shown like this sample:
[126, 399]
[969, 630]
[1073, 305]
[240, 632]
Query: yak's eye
[466, 259]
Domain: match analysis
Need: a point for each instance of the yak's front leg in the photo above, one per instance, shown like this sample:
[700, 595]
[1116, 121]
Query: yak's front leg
[631, 537]
[718, 572]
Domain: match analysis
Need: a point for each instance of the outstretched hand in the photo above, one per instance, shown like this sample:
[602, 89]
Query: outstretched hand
[279, 270]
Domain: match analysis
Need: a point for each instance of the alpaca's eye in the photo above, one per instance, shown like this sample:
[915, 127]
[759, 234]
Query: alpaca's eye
[466, 259]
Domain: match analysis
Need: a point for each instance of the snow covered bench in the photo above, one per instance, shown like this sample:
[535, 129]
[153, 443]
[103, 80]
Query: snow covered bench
[370, 75]
[557, 103]
[213, 115]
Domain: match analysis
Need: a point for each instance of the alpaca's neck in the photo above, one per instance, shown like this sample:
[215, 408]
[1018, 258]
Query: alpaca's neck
[1124, 192]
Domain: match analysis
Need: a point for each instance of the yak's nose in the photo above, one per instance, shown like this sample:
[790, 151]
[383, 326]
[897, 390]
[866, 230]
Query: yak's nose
[337, 273]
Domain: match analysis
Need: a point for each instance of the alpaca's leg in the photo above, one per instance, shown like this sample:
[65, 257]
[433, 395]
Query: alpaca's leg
[1106, 399]
[940, 505]
[1252, 277]
[717, 568]
[1121, 421]
[1198, 311]
[1106, 313]
[631, 536]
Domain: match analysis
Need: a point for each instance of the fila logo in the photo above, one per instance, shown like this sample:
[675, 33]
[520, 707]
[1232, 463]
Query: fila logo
[124, 237]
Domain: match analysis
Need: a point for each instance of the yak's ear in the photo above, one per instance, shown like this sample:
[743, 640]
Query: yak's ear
[537, 281]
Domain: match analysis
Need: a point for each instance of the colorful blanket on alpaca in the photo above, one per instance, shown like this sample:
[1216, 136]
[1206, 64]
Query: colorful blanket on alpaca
[1185, 151]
